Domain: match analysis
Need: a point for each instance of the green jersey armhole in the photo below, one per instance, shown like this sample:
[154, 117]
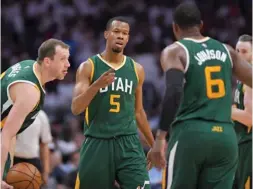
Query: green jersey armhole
[135, 70]
[228, 54]
[92, 69]
[22, 81]
[187, 56]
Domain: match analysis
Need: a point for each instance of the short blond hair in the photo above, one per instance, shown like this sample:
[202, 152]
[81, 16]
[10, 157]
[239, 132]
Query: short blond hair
[47, 48]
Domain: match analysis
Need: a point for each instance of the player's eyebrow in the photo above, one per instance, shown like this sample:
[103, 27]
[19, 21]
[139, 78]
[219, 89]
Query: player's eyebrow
[122, 29]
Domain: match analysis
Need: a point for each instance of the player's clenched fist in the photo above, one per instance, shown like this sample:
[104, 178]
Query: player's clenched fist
[105, 79]
[4, 185]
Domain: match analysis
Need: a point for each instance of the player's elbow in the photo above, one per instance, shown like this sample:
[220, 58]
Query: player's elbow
[75, 110]
[6, 137]
[249, 120]
[137, 113]
[140, 114]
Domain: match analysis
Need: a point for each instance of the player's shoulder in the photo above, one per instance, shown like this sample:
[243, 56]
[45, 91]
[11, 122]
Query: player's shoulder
[228, 47]
[137, 65]
[22, 70]
[25, 65]
[92, 59]
[27, 62]
[174, 49]
[233, 55]
[138, 68]
[21, 65]
[132, 60]
[87, 63]
[24, 92]
[86, 67]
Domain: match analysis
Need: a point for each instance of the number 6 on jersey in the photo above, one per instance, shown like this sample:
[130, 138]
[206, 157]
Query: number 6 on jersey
[114, 103]
[210, 83]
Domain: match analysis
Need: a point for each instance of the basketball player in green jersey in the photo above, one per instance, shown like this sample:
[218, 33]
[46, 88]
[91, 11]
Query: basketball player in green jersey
[202, 149]
[242, 115]
[109, 87]
[23, 93]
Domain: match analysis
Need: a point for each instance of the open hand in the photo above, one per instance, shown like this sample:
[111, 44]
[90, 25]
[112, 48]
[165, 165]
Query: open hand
[157, 154]
[106, 78]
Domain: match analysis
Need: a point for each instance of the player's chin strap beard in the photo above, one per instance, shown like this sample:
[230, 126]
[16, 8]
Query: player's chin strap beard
[116, 51]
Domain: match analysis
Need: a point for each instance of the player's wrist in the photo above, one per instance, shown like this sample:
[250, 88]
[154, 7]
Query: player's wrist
[161, 135]
[152, 144]
[96, 85]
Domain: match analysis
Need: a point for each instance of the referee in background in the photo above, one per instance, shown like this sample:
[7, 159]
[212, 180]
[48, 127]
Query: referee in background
[32, 145]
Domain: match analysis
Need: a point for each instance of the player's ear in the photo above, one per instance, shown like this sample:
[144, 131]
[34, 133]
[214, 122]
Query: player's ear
[174, 27]
[128, 38]
[46, 61]
[106, 34]
[201, 25]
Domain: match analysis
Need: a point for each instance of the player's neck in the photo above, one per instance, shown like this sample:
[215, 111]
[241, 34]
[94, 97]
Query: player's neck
[42, 76]
[112, 57]
[192, 33]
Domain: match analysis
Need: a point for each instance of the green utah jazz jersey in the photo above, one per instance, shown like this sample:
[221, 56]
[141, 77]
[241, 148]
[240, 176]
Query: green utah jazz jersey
[241, 130]
[207, 88]
[20, 72]
[112, 111]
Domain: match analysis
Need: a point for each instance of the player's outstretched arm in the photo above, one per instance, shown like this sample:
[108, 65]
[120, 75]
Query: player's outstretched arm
[140, 114]
[241, 68]
[244, 116]
[25, 97]
[84, 91]
[81, 95]
[173, 60]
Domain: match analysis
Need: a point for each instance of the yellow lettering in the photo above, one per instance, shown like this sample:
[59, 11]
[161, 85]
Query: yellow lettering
[210, 83]
[218, 129]
[114, 103]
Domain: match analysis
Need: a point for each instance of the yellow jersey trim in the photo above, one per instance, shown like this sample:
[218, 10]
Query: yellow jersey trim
[2, 75]
[243, 88]
[164, 178]
[113, 67]
[36, 86]
[77, 185]
[87, 116]
[135, 70]
[3, 122]
[92, 69]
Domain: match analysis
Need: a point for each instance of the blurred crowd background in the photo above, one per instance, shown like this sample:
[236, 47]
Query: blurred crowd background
[81, 23]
